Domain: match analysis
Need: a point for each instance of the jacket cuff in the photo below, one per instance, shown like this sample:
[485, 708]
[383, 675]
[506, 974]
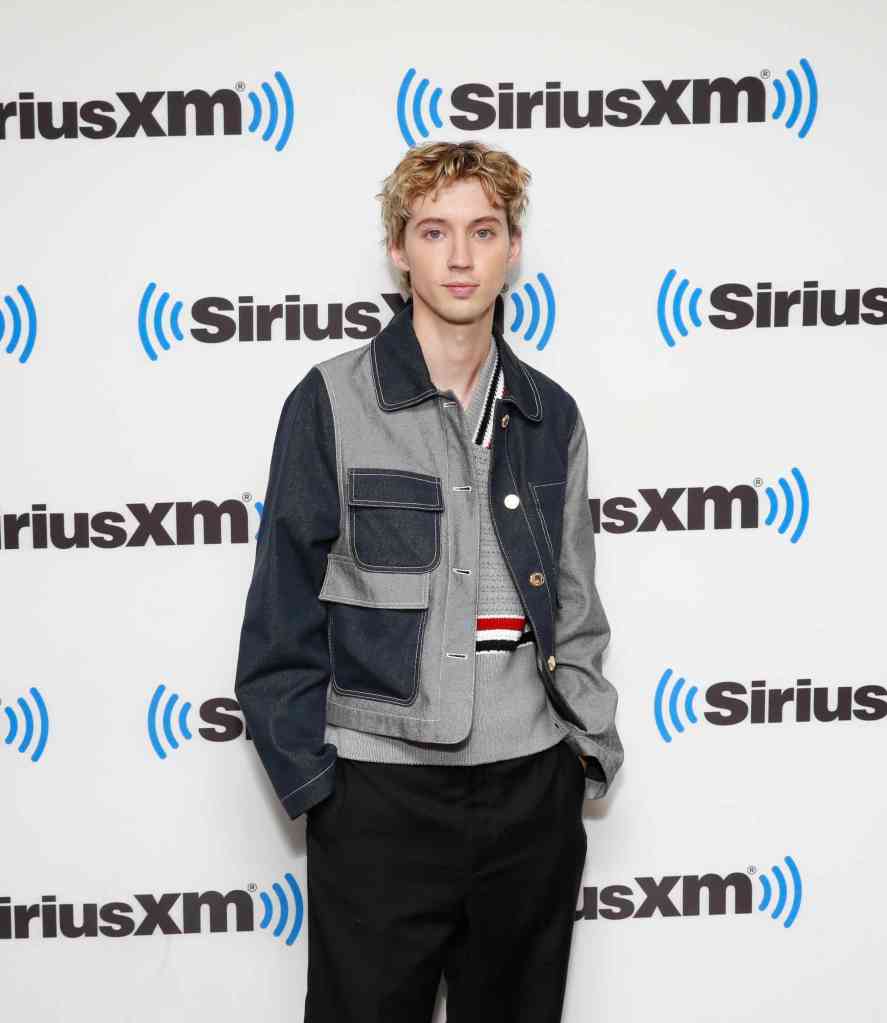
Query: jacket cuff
[313, 791]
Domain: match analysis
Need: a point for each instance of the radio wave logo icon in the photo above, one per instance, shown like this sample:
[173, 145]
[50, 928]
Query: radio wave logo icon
[798, 99]
[289, 903]
[673, 704]
[410, 117]
[785, 893]
[795, 509]
[277, 111]
[260, 507]
[538, 311]
[673, 310]
[32, 723]
[157, 320]
[22, 325]
[163, 720]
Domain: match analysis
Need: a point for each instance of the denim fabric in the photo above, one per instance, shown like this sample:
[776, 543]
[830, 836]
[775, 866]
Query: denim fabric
[283, 665]
[511, 714]
[355, 634]
[386, 576]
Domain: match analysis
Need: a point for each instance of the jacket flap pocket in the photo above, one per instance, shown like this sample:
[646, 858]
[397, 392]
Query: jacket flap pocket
[346, 583]
[398, 488]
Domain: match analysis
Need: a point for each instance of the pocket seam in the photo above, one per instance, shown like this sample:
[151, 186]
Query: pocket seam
[367, 566]
[534, 488]
[364, 694]
[434, 482]
[355, 502]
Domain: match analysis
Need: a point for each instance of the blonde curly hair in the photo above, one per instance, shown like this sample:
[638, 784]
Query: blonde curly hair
[425, 168]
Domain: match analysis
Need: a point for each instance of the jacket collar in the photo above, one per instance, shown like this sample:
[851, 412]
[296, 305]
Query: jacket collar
[401, 375]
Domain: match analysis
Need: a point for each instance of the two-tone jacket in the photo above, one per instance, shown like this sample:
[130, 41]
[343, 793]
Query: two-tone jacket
[361, 608]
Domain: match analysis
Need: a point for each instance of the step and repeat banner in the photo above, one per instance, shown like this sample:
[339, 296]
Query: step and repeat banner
[190, 223]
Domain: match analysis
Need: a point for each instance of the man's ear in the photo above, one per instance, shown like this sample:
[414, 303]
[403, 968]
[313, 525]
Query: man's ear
[398, 257]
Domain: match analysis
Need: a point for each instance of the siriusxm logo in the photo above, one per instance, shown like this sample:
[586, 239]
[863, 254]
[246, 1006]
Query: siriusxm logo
[735, 703]
[677, 895]
[210, 912]
[710, 507]
[737, 306]
[477, 106]
[27, 726]
[169, 725]
[216, 319]
[163, 524]
[18, 325]
[268, 111]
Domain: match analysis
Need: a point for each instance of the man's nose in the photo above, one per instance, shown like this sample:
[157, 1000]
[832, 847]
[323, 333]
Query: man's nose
[460, 252]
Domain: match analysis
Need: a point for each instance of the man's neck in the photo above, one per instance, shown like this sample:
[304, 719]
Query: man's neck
[453, 352]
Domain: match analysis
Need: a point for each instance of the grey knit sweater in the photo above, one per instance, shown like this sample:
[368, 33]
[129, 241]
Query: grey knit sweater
[511, 711]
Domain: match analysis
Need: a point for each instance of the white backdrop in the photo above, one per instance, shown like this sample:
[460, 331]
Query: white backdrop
[107, 801]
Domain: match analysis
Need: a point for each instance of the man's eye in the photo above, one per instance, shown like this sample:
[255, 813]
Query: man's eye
[489, 231]
[431, 231]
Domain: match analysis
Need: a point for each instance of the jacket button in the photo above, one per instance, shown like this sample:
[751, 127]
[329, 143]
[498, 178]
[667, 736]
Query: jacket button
[536, 578]
[511, 501]
[551, 662]
[504, 421]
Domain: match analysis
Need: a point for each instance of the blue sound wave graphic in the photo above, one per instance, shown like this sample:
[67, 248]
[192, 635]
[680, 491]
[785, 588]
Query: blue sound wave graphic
[273, 112]
[668, 707]
[260, 507]
[789, 892]
[793, 506]
[22, 324]
[283, 909]
[677, 316]
[540, 321]
[151, 324]
[407, 110]
[165, 719]
[812, 99]
[34, 725]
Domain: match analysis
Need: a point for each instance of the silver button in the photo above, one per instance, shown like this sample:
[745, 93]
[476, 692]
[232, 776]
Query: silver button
[511, 500]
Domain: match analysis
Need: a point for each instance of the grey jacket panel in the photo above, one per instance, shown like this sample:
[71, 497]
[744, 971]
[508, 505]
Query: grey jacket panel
[582, 631]
[413, 443]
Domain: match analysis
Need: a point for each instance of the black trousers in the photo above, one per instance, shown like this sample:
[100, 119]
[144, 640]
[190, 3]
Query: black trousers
[471, 871]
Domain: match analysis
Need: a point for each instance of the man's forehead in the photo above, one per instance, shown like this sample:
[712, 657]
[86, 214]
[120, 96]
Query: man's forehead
[463, 198]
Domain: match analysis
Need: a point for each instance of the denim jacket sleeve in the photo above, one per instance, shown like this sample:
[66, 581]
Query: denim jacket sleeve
[582, 631]
[283, 666]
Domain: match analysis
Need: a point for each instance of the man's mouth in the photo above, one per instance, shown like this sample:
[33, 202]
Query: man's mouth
[461, 290]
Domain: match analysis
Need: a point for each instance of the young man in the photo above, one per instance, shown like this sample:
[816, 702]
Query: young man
[420, 657]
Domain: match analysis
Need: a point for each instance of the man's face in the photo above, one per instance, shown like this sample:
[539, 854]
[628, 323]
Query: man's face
[456, 237]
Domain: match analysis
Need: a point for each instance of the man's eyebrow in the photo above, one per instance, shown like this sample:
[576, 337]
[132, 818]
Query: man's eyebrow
[477, 220]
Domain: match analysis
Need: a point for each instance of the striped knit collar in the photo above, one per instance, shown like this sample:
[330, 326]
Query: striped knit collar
[490, 385]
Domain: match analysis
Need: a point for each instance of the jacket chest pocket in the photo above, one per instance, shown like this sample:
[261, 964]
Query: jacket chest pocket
[375, 626]
[394, 519]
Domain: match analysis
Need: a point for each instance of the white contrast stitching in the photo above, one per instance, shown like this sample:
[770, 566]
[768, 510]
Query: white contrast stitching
[316, 776]
[534, 491]
[381, 393]
[427, 567]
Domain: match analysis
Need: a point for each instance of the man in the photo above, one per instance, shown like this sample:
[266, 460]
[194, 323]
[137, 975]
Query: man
[419, 664]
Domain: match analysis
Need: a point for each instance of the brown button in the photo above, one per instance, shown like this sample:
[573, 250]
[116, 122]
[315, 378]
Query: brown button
[504, 421]
[536, 578]
[551, 662]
